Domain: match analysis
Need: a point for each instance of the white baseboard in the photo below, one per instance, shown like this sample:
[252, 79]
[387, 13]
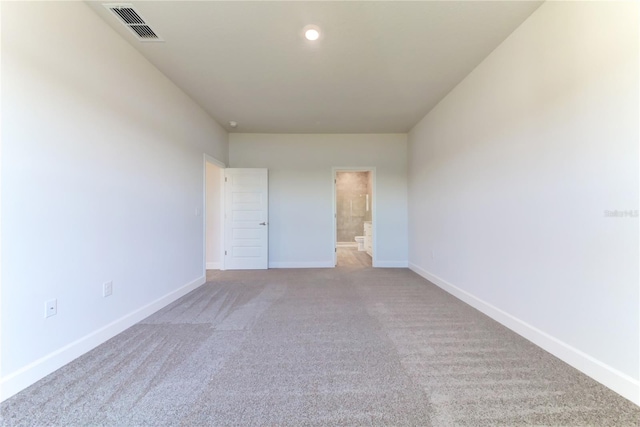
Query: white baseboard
[24, 377]
[347, 245]
[315, 264]
[617, 381]
[214, 266]
[392, 264]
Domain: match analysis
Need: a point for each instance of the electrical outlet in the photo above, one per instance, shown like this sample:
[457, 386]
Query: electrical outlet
[107, 288]
[50, 308]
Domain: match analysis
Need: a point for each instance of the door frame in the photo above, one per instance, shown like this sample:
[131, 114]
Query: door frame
[374, 202]
[209, 159]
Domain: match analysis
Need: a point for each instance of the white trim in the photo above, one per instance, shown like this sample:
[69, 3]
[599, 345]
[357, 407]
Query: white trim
[617, 381]
[392, 264]
[313, 264]
[374, 202]
[214, 266]
[24, 377]
[215, 161]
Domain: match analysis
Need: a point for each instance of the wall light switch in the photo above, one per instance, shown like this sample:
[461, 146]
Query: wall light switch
[107, 288]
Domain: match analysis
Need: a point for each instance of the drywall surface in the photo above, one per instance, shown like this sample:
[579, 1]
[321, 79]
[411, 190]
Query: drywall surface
[301, 191]
[102, 180]
[515, 176]
[214, 214]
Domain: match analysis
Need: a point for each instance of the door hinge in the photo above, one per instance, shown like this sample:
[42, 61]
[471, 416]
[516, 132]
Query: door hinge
[225, 252]
[225, 179]
[335, 249]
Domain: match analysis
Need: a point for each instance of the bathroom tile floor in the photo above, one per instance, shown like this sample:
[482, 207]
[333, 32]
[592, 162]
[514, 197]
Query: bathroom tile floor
[351, 257]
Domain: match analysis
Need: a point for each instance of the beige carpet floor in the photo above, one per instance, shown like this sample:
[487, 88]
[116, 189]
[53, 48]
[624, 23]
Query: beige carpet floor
[335, 347]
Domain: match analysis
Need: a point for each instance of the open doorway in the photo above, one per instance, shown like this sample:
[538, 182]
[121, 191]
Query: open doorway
[214, 214]
[354, 217]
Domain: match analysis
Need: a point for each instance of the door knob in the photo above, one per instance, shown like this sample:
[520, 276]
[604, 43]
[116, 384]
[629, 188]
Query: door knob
[263, 223]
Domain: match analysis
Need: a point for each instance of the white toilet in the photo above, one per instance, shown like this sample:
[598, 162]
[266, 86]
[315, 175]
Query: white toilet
[360, 240]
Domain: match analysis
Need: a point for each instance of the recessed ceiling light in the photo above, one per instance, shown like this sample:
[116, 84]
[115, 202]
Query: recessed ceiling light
[311, 32]
[233, 124]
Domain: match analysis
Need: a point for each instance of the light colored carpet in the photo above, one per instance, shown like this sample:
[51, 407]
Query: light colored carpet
[344, 346]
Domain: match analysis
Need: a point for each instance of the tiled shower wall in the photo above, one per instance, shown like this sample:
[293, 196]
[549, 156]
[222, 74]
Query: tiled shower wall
[351, 191]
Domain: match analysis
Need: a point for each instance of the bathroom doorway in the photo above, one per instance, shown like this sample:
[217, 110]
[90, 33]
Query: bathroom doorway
[354, 218]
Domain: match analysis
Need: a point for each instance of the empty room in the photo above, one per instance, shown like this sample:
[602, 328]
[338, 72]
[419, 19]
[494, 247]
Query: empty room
[339, 213]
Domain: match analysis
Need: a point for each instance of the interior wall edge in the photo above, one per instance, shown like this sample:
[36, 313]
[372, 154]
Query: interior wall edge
[617, 381]
[19, 380]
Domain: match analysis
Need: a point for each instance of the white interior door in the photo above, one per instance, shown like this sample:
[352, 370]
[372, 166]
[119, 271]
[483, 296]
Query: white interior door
[246, 219]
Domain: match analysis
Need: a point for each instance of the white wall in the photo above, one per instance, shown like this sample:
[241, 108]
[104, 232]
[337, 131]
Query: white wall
[214, 229]
[510, 176]
[301, 229]
[102, 173]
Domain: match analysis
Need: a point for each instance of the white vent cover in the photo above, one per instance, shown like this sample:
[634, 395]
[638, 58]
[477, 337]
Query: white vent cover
[133, 21]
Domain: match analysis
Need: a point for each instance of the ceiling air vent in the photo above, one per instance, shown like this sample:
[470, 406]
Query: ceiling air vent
[134, 22]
